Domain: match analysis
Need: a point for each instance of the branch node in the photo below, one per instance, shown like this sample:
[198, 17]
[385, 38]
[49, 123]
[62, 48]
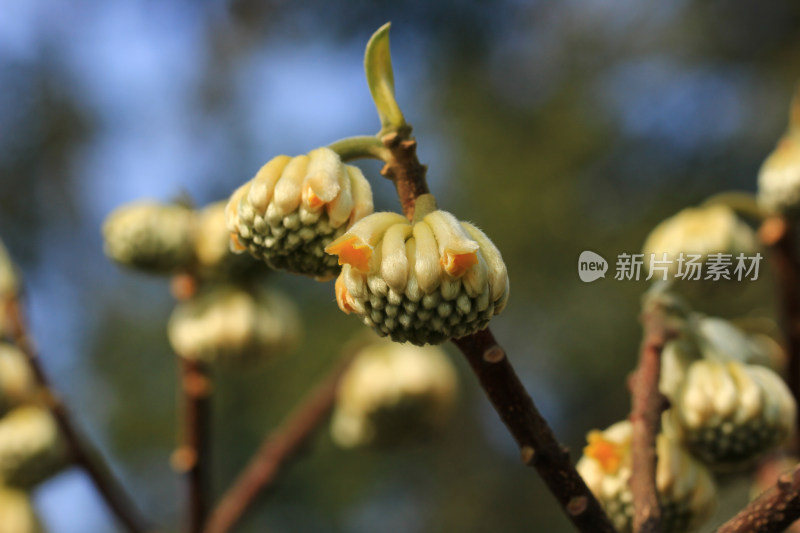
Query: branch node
[527, 453]
[495, 354]
[577, 505]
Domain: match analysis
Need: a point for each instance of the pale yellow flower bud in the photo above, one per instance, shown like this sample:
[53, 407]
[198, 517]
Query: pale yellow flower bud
[215, 260]
[9, 278]
[17, 514]
[9, 287]
[779, 177]
[31, 447]
[728, 413]
[228, 323]
[17, 383]
[704, 230]
[294, 208]
[392, 393]
[425, 282]
[150, 236]
[686, 490]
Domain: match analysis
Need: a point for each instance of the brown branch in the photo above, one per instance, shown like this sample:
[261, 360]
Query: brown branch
[405, 170]
[647, 405]
[275, 453]
[777, 236]
[83, 452]
[193, 456]
[773, 511]
[538, 446]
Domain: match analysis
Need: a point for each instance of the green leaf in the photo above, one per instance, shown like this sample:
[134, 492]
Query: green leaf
[380, 78]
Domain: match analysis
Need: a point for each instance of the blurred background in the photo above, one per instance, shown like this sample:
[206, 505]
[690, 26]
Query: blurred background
[556, 127]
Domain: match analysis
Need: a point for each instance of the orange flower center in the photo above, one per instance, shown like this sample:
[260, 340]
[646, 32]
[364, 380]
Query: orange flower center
[608, 453]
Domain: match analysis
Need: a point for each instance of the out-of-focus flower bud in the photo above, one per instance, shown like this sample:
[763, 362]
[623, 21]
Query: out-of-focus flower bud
[676, 357]
[9, 287]
[779, 177]
[698, 231]
[17, 514]
[17, 384]
[31, 447]
[215, 260]
[392, 393]
[423, 283]
[151, 237]
[729, 413]
[294, 207]
[686, 490]
[9, 278]
[229, 323]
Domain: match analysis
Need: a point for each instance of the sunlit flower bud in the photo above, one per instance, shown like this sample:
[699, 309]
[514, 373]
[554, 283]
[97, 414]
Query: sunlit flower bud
[215, 260]
[150, 236]
[31, 447]
[424, 282]
[676, 357]
[729, 413]
[686, 490]
[294, 208]
[17, 384]
[229, 323]
[9, 278]
[393, 393]
[17, 514]
[698, 231]
[9, 287]
[779, 177]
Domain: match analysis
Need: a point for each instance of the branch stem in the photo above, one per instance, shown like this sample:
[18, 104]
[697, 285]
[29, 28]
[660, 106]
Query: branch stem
[277, 450]
[774, 511]
[647, 405]
[193, 456]
[84, 453]
[778, 237]
[538, 445]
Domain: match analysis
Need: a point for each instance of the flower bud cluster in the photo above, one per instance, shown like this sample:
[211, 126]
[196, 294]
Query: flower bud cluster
[700, 231]
[294, 207]
[421, 282]
[167, 239]
[729, 413]
[31, 447]
[727, 408]
[685, 487]
[228, 323]
[779, 177]
[150, 236]
[393, 392]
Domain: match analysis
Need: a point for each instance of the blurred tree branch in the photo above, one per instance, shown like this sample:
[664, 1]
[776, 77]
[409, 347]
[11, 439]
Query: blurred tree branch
[84, 453]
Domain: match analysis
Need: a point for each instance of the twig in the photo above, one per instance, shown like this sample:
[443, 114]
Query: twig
[647, 405]
[405, 170]
[193, 456]
[771, 512]
[84, 453]
[776, 234]
[538, 446]
[275, 453]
